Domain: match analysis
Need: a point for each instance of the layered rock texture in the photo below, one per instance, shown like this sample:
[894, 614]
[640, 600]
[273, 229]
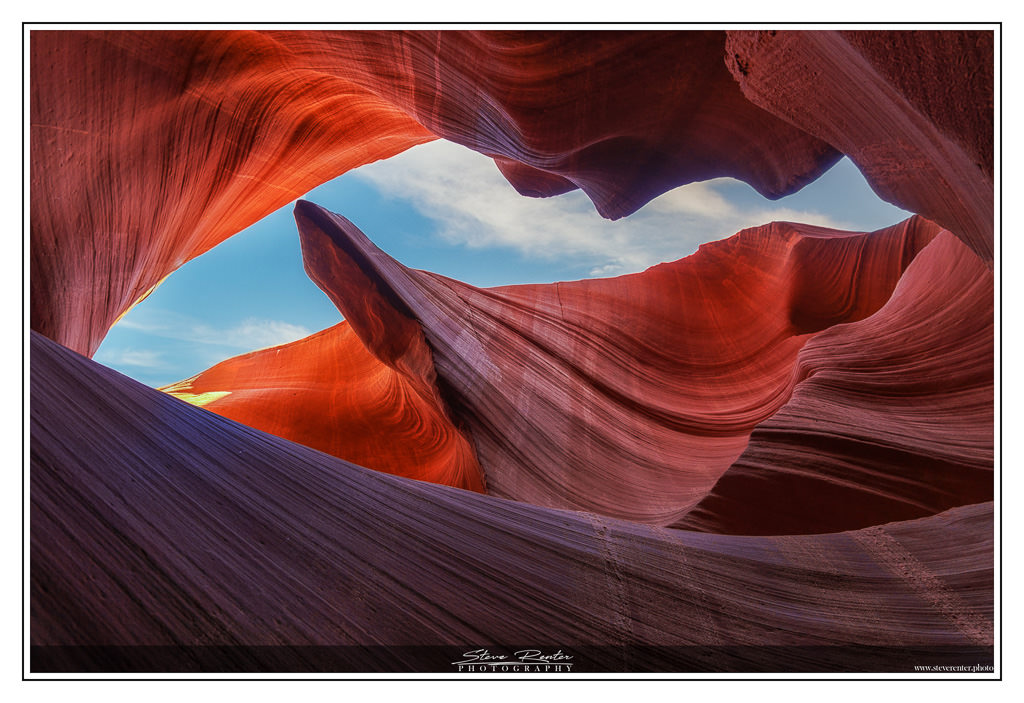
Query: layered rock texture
[775, 454]
[593, 395]
[328, 392]
[216, 536]
[914, 110]
[180, 139]
[829, 461]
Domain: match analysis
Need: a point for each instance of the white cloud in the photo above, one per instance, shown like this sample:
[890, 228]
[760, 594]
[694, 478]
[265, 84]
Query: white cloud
[143, 358]
[255, 333]
[248, 335]
[607, 270]
[697, 199]
[473, 205]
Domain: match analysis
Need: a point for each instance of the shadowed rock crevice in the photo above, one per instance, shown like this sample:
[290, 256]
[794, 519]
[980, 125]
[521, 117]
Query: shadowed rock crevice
[893, 416]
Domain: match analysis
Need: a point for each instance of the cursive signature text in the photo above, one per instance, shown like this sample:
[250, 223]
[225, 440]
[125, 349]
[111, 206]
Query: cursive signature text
[485, 657]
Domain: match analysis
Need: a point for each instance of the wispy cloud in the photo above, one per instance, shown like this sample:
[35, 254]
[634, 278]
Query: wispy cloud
[142, 358]
[474, 206]
[186, 344]
[256, 333]
[250, 334]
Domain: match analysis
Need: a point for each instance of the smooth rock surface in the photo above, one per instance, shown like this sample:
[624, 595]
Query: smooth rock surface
[156, 523]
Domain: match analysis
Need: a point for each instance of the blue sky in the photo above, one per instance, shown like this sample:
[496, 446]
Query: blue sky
[443, 208]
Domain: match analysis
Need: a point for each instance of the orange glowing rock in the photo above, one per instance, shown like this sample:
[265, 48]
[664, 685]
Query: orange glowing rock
[329, 393]
[787, 380]
[593, 395]
[149, 148]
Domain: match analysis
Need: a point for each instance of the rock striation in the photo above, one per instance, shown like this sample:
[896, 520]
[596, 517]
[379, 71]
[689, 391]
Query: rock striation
[181, 139]
[913, 110]
[329, 393]
[830, 460]
[207, 545]
[773, 455]
[591, 395]
[597, 395]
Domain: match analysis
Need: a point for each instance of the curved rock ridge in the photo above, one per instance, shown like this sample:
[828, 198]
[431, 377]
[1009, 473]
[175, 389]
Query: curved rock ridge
[892, 420]
[208, 532]
[627, 396]
[773, 455]
[329, 393]
[913, 110]
[623, 115]
[149, 148]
